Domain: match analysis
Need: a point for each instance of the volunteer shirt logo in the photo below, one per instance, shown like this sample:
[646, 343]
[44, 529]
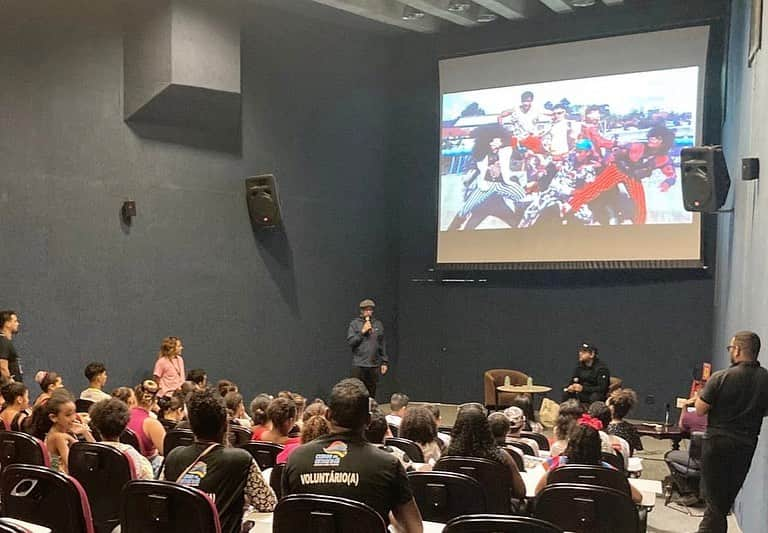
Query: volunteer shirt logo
[333, 454]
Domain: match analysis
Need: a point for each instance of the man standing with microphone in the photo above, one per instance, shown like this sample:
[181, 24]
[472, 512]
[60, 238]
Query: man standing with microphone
[369, 352]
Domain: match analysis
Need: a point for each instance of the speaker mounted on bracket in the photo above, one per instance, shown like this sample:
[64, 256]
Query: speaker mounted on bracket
[705, 178]
[263, 202]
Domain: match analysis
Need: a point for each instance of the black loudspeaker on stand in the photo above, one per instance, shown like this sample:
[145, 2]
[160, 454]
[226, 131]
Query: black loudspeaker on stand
[263, 202]
[705, 178]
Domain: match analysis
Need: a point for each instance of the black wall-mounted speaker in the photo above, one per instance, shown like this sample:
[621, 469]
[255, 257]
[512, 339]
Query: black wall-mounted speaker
[263, 202]
[705, 178]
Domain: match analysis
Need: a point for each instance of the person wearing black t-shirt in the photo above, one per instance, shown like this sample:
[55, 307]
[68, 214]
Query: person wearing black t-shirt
[591, 379]
[9, 359]
[735, 401]
[230, 475]
[346, 465]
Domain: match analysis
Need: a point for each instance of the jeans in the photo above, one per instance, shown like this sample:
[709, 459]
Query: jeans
[369, 375]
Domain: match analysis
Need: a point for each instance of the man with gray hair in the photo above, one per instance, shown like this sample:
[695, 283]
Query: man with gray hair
[365, 337]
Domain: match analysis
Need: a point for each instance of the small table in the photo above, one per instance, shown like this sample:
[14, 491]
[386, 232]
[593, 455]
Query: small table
[521, 389]
[661, 432]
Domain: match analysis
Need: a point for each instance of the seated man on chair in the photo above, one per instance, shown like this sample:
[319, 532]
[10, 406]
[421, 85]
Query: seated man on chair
[346, 465]
[590, 379]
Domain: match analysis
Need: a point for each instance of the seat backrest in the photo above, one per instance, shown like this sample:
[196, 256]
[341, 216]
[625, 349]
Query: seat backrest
[495, 377]
[589, 475]
[83, 406]
[494, 477]
[20, 448]
[43, 496]
[540, 439]
[325, 514]
[265, 453]
[523, 447]
[7, 525]
[175, 438]
[102, 470]
[587, 509]
[239, 435]
[410, 448]
[166, 507]
[482, 523]
[442, 496]
[616, 460]
[128, 436]
[276, 479]
[393, 429]
[513, 453]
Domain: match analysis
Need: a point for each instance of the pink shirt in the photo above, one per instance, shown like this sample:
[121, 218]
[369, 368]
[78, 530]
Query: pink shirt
[170, 374]
[136, 424]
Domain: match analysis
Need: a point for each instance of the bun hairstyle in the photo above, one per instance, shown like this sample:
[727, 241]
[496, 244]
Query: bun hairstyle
[46, 379]
[11, 391]
[146, 392]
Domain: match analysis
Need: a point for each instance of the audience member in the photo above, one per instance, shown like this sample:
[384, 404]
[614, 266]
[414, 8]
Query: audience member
[314, 427]
[282, 413]
[397, 406]
[259, 416]
[230, 476]
[419, 426]
[499, 424]
[472, 437]
[525, 403]
[378, 431]
[169, 367]
[236, 410]
[621, 403]
[54, 422]
[49, 382]
[171, 410]
[16, 408]
[126, 395]
[198, 377]
[516, 424]
[584, 448]
[570, 412]
[600, 411]
[435, 410]
[149, 431]
[344, 464]
[96, 374]
[225, 386]
[110, 417]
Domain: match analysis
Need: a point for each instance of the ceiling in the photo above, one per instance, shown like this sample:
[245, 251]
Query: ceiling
[433, 16]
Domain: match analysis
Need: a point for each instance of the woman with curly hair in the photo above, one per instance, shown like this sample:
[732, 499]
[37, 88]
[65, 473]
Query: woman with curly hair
[169, 367]
[621, 402]
[110, 417]
[584, 448]
[472, 437]
[420, 426]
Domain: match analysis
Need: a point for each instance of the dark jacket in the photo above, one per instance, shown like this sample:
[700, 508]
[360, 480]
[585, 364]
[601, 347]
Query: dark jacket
[369, 350]
[594, 379]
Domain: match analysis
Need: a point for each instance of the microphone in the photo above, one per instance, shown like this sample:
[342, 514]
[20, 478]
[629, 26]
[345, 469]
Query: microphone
[666, 415]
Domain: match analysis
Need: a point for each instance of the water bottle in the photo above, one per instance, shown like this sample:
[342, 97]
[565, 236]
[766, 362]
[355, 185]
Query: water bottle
[506, 381]
[530, 381]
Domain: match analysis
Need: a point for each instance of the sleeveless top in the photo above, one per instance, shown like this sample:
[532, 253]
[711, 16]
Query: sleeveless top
[136, 424]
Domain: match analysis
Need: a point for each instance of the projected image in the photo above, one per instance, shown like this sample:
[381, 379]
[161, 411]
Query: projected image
[599, 151]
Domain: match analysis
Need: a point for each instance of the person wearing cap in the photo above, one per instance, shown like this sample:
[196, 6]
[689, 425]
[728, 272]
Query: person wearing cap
[365, 336]
[591, 379]
[516, 419]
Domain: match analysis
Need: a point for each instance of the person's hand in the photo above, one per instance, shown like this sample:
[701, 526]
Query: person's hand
[384, 368]
[78, 428]
[366, 327]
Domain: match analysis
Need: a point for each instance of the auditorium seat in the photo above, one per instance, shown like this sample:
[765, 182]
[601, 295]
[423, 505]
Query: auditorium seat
[523, 447]
[483, 523]
[540, 439]
[493, 477]
[313, 512]
[102, 470]
[129, 437]
[495, 378]
[83, 406]
[166, 507]
[410, 448]
[40, 495]
[238, 435]
[587, 508]
[177, 437]
[265, 453]
[276, 479]
[442, 496]
[519, 462]
[20, 448]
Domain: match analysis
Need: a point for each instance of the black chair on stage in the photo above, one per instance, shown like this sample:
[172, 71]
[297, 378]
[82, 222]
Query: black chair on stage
[20, 448]
[325, 514]
[102, 470]
[512, 451]
[83, 406]
[265, 453]
[45, 497]
[587, 509]
[442, 496]
[166, 507]
[523, 447]
[128, 436]
[238, 435]
[483, 523]
[493, 477]
[540, 439]
[410, 448]
[177, 437]
[276, 479]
